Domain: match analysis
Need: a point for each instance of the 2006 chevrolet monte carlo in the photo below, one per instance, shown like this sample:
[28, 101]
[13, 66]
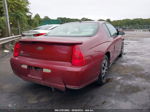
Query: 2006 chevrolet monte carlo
[72, 55]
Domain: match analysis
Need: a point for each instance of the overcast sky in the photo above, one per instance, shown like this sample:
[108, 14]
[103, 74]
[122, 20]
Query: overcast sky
[93, 9]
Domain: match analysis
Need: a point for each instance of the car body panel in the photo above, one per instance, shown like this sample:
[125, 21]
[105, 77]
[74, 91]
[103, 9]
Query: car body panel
[62, 74]
[76, 77]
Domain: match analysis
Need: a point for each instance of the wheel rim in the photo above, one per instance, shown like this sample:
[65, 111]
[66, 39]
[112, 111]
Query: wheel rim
[104, 69]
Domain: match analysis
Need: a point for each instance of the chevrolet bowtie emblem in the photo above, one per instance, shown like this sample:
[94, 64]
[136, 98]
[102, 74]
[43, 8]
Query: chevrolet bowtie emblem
[40, 48]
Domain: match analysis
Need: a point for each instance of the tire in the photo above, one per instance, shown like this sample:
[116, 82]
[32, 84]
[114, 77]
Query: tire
[103, 71]
[122, 49]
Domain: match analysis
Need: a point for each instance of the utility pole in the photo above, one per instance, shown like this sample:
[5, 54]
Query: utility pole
[7, 17]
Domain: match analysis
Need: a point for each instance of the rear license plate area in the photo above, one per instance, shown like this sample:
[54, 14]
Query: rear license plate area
[35, 72]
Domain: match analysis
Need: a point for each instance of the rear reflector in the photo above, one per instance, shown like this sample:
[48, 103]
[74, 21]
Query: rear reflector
[39, 34]
[46, 70]
[17, 49]
[77, 57]
[24, 66]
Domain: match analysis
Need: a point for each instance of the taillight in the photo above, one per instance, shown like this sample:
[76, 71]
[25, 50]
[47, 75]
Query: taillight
[17, 49]
[39, 34]
[77, 57]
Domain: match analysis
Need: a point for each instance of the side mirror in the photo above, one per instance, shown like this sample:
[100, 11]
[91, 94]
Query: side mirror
[120, 32]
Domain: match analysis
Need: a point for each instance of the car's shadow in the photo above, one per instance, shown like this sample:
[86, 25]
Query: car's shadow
[36, 87]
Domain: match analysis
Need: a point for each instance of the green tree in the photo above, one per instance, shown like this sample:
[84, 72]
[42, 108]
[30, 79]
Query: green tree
[1, 8]
[86, 19]
[101, 20]
[46, 18]
[18, 13]
[108, 20]
[137, 23]
[2, 19]
[2, 26]
[36, 20]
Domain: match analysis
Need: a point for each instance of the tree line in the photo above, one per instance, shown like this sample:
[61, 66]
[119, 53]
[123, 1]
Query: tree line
[21, 19]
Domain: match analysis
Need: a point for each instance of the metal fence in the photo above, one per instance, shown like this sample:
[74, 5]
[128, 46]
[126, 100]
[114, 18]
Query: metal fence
[9, 39]
[7, 43]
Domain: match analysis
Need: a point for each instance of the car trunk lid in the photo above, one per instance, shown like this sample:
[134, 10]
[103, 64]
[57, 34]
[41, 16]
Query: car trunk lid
[52, 49]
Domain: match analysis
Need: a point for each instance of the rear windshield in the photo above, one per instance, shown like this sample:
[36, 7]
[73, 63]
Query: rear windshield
[75, 30]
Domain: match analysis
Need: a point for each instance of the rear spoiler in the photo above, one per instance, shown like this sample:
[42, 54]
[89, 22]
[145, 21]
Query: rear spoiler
[50, 40]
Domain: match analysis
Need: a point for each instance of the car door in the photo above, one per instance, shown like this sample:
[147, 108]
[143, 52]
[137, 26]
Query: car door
[116, 39]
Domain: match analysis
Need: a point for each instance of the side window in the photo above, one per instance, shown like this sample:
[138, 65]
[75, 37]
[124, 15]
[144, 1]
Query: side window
[106, 29]
[112, 29]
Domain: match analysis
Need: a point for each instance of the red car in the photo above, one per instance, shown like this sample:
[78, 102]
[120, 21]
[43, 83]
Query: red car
[72, 56]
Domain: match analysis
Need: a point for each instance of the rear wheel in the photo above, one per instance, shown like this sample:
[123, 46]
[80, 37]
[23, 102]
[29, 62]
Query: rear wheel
[103, 71]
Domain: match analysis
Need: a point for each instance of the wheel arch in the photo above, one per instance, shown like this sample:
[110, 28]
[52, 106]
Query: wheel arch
[108, 55]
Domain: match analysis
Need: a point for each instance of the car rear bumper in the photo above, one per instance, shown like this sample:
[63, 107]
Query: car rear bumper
[61, 75]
